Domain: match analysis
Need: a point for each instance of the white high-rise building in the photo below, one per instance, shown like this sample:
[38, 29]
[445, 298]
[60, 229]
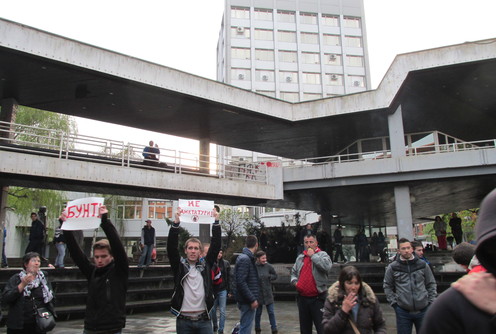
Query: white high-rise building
[294, 50]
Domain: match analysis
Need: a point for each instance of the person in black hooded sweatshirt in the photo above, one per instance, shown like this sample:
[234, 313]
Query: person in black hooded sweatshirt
[469, 306]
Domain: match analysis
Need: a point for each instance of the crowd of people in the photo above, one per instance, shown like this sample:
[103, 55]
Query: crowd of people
[203, 281]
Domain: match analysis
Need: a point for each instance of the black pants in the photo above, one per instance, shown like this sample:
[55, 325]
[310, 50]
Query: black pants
[339, 252]
[458, 236]
[310, 310]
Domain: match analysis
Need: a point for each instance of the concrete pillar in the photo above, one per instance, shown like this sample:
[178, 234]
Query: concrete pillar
[205, 156]
[396, 133]
[7, 114]
[404, 220]
[204, 233]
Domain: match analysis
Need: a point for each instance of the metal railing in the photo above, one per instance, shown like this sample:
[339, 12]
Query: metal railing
[386, 154]
[64, 145]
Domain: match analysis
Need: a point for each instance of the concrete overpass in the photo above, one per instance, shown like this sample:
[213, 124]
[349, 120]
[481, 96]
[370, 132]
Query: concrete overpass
[449, 89]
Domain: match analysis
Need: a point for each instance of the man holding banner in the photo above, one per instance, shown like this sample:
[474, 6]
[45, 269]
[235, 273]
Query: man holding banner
[193, 296]
[108, 276]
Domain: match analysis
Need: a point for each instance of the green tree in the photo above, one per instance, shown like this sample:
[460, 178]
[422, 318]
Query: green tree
[43, 130]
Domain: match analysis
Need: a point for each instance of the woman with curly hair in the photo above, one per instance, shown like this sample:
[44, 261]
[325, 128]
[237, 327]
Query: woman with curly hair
[352, 307]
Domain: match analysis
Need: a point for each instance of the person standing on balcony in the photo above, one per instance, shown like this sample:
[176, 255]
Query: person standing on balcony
[107, 279]
[148, 242]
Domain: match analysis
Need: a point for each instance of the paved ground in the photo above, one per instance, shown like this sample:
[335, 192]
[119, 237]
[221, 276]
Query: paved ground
[164, 322]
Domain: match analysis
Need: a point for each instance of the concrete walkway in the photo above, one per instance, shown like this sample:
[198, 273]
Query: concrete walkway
[164, 322]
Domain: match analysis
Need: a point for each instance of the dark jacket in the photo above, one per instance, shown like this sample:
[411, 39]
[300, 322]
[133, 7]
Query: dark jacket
[37, 231]
[246, 278]
[180, 267]
[59, 235]
[15, 300]
[148, 236]
[409, 284]
[225, 269]
[107, 286]
[369, 318]
[266, 274]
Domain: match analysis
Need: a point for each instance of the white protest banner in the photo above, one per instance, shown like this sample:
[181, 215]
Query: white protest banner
[82, 214]
[196, 211]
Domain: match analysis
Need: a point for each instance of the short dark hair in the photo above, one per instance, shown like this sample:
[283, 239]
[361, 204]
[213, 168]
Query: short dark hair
[260, 254]
[28, 256]
[310, 236]
[347, 274]
[463, 253]
[102, 244]
[403, 240]
[34, 213]
[416, 244]
[251, 241]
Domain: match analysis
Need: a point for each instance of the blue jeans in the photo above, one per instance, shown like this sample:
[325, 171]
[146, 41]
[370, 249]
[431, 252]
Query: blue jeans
[272, 316]
[146, 254]
[59, 260]
[405, 320]
[246, 318]
[184, 326]
[220, 301]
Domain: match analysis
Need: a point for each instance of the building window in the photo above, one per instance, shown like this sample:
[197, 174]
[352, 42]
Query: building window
[240, 32]
[311, 78]
[333, 40]
[240, 13]
[332, 59]
[330, 20]
[286, 36]
[309, 38]
[240, 74]
[270, 93]
[355, 61]
[130, 210]
[263, 54]
[311, 96]
[159, 210]
[289, 77]
[290, 96]
[263, 14]
[288, 56]
[357, 81]
[264, 34]
[351, 22]
[310, 58]
[334, 79]
[285, 16]
[353, 41]
[308, 18]
[240, 53]
[264, 75]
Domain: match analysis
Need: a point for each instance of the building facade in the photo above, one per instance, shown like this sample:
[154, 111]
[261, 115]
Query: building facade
[295, 50]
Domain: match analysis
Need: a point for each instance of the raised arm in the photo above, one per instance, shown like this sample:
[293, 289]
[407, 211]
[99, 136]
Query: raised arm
[118, 251]
[173, 244]
[77, 255]
[215, 242]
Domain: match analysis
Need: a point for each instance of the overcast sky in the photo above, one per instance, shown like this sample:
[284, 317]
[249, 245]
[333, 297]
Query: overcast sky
[183, 34]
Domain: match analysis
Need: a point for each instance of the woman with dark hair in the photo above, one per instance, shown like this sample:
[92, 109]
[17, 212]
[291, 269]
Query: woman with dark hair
[22, 290]
[352, 307]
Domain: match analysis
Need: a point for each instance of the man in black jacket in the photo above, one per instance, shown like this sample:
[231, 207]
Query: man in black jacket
[107, 279]
[193, 296]
[246, 281]
[469, 306]
[36, 235]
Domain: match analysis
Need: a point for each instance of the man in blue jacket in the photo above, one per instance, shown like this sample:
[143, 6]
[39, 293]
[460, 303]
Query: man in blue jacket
[247, 284]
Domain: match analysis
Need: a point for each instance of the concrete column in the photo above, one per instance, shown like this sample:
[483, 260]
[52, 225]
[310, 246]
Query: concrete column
[396, 133]
[204, 233]
[204, 156]
[404, 220]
